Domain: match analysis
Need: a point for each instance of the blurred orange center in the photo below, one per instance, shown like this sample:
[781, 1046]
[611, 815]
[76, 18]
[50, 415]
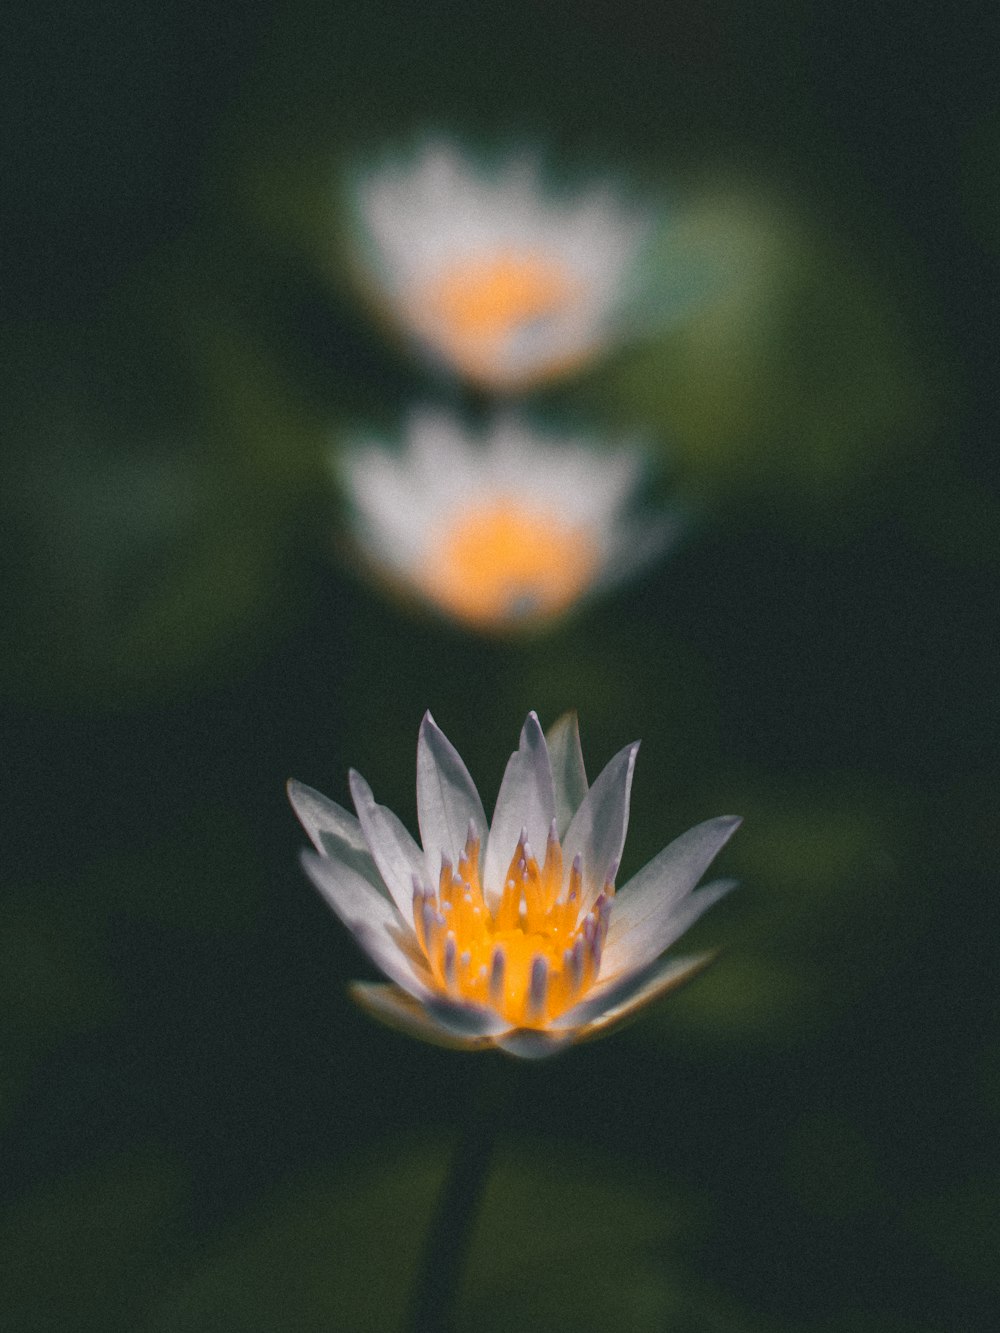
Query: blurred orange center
[531, 954]
[500, 563]
[477, 304]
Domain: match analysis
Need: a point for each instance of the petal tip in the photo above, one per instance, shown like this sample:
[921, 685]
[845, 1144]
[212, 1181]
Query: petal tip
[532, 729]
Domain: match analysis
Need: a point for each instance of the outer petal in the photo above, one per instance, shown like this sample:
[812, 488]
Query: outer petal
[526, 801]
[333, 831]
[392, 958]
[643, 920]
[447, 800]
[393, 1006]
[531, 1044]
[597, 831]
[631, 990]
[395, 853]
[667, 975]
[393, 949]
[637, 948]
[568, 773]
[351, 895]
[465, 1020]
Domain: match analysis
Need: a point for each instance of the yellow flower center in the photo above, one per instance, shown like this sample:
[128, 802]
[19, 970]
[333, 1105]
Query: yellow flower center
[532, 954]
[476, 305]
[501, 563]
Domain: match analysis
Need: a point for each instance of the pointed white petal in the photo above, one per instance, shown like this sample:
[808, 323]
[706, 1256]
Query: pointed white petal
[643, 917]
[532, 1044]
[447, 800]
[396, 854]
[526, 801]
[352, 896]
[394, 1007]
[636, 949]
[333, 831]
[398, 964]
[598, 828]
[568, 773]
[605, 1004]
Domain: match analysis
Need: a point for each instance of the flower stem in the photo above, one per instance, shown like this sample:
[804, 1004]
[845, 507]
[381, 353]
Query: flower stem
[435, 1295]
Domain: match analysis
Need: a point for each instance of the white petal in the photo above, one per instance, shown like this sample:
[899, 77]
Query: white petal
[465, 1020]
[419, 215]
[642, 918]
[441, 460]
[396, 854]
[447, 800]
[398, 1010]
[598, 828]
[391, 958]
[532, 1044]
[526, 801]
[352, 896]
[635, 949]
[568, 773]
[333, 831]
[628, 992]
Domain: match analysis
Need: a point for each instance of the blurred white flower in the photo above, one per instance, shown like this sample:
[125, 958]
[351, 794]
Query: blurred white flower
[509, 933]
[495, 277]
[504, 533]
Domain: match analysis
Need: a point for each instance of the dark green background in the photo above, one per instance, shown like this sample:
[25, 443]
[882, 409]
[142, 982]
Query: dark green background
[198, 1131]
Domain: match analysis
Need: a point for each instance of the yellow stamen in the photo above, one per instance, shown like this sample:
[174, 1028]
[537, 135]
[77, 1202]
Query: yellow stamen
[477, 305]
[502, 563]
[531, 956]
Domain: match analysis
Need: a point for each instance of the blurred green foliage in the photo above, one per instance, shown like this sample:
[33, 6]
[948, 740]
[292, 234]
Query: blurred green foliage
[341, 1252]
[92, 1246]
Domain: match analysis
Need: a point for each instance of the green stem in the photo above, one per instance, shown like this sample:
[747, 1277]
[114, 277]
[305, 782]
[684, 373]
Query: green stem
[435, 1295]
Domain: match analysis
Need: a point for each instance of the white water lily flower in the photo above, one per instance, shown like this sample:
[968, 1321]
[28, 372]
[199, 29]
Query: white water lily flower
[509, 933]
[504, 533]
[494, 277]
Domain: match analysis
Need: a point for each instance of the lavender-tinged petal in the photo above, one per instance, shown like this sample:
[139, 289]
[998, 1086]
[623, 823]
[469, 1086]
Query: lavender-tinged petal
[628, 992]
[334, 832]
[394, 961]
[642, 919]
[447, 800]
[532, 1043]
[396, 1009]
[353, 897]
[396, 854]
[598, 829]
[640, 947]
[526, 801]
[568, 773]
[465, 1020]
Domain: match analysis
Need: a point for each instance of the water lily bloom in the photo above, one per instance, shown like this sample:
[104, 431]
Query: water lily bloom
[492, 275]
[509, 933]
[504, 533]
